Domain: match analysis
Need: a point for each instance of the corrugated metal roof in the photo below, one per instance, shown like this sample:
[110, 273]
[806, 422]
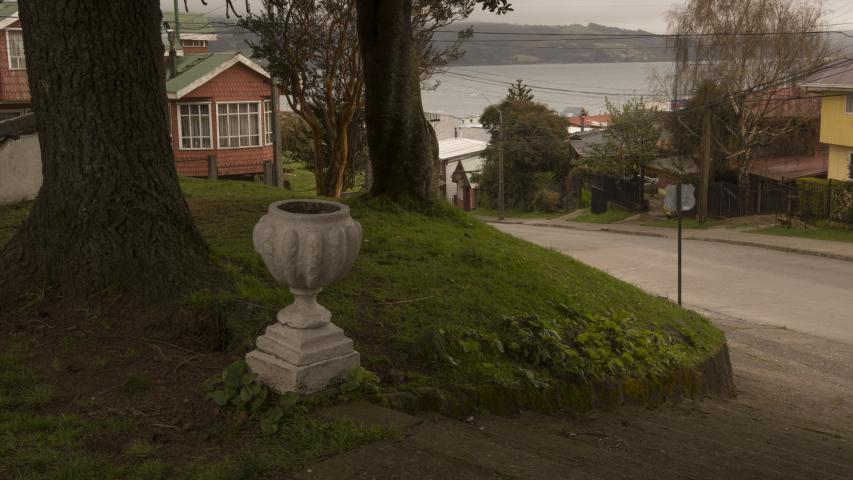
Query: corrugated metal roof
[192, 67]
[8, 8]
[457, 147]
[583, 142]
[838, 77]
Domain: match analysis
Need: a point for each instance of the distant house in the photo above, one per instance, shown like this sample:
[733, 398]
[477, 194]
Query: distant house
[461, 160]
[836, 117]
[582, 144]
[450, 126]
[584, 123]
[219, 103]
[14, 89]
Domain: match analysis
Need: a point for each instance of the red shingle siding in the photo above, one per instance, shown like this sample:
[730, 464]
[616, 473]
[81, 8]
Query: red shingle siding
[238, 83]
[194, 50]
[13, 83]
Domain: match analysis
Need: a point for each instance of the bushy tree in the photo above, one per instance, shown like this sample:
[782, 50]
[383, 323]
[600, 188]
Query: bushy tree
[536, 153]
[749, 49]
[520, 92]
[312, 48]
[631, 139]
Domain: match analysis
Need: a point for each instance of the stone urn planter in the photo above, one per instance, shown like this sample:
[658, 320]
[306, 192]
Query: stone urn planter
[306, 245]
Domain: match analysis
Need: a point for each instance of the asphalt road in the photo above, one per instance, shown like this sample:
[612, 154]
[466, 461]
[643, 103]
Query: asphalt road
[804, 293]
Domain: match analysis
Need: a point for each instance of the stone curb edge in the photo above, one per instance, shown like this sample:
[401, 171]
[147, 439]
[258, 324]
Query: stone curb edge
[780, 248]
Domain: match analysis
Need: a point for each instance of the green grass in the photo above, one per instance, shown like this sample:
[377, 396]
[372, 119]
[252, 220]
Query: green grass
[302, 182]
[39, 445]
[820, 232]
[690, 223]
[430, 295]
[613, 214]
[429, 274]
[10, 217]
[515, 213]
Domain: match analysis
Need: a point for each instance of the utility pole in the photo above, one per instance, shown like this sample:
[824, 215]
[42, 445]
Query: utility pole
[276, 136]
[705, 184]
[501, 167]
[500, 158]
[177, 28]
[678, 208]
[278, 178]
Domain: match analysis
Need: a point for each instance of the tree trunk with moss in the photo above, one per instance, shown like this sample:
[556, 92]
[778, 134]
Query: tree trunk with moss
[403, 147]
[110, 213]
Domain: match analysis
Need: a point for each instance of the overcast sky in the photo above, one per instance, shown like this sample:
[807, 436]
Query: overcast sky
[632, 14]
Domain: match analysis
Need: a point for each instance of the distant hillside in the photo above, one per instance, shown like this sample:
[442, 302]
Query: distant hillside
[532, 47]
[540, 44]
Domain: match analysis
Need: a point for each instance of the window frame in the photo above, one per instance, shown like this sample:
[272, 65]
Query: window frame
[268, 133]
[260, 127]
[194, 43]
[181, 130]
[9, 49]
[848, 104]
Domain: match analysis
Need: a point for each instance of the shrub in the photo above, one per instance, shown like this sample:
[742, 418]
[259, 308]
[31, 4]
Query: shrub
[545, 200]
[812, 200]
[811, 195]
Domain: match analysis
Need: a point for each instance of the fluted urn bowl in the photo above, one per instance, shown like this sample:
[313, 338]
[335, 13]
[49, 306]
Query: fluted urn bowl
[307, 245]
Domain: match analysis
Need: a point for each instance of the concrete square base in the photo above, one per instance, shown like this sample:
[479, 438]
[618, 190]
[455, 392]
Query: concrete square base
[301, 360]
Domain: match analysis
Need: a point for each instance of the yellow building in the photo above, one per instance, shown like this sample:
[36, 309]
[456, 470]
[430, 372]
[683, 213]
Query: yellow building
[836, 117]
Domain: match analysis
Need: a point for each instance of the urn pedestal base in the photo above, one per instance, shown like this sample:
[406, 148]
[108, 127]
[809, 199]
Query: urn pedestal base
[301, 360]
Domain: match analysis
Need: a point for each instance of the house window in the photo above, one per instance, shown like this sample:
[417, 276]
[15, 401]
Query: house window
[195, 126]
[194, 43]
[239, 125]
[15, 47]
[268, 120]
[848, 107]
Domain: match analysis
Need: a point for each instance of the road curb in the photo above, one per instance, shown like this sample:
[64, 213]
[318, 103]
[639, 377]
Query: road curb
[742, 243]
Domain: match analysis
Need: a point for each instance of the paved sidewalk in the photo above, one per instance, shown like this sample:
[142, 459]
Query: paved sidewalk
[793, 419]
[806, 246]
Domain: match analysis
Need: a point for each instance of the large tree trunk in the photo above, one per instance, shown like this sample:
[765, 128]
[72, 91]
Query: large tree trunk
[110, 213]
[403, 148]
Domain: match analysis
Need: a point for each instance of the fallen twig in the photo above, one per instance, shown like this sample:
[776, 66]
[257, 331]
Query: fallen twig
[190, 359]
[401, 302]
[163, 425]
[146, 339]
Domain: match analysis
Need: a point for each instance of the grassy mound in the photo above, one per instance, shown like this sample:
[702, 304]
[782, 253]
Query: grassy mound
[437, 297]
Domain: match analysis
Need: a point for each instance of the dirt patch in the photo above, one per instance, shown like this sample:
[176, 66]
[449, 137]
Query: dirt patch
[110, 362]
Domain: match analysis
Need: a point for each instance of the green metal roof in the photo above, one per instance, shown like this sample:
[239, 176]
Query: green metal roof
[192, 67]
[191, 23]
[8, 9]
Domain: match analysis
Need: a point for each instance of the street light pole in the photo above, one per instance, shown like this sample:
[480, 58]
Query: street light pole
[500, 158]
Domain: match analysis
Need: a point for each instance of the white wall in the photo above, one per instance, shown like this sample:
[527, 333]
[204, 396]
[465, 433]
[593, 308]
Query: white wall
[20, 169]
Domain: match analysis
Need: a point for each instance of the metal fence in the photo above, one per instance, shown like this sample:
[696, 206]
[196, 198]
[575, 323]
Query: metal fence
[814, 201]
[807, 200]
[625, 192]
